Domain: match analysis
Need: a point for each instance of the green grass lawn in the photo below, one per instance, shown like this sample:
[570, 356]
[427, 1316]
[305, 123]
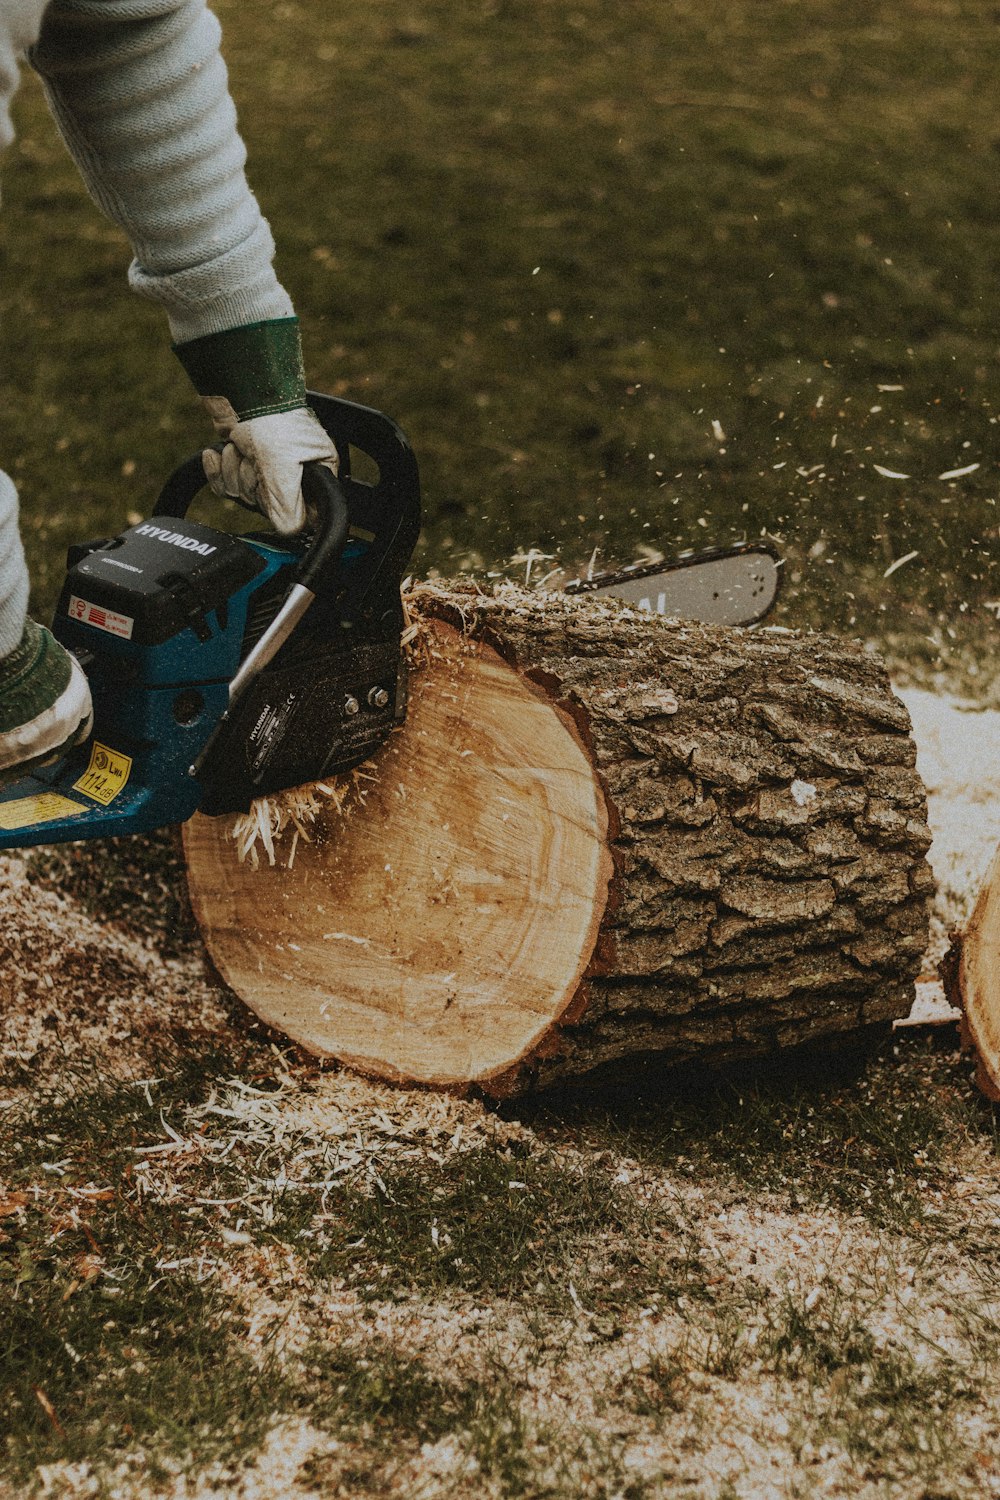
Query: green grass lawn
[559, 244]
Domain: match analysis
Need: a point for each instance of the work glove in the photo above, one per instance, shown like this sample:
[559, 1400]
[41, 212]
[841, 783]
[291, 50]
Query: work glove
[261, 462]
[252, 385]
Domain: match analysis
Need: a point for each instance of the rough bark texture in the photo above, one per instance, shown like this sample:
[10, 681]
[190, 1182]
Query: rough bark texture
[766, 886]
[769, 836]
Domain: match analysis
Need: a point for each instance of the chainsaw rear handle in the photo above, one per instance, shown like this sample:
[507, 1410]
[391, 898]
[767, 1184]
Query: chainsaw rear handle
[322, 493]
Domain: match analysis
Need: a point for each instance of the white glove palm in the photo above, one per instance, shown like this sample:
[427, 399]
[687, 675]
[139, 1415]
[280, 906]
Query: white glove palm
[262, 460]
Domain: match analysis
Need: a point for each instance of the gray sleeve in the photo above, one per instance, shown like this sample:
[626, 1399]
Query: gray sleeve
[140, 93]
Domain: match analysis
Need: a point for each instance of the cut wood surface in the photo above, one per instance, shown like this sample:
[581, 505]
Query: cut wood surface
[600, 837]
[972, 979]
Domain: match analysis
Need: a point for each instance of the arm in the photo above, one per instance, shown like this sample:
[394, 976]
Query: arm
[140, 93]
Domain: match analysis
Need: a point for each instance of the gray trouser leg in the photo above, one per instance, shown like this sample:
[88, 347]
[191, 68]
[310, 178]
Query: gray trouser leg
[13, 573]
[19, 24]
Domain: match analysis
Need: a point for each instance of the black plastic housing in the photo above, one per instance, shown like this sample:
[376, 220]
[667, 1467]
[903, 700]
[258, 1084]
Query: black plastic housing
[157, 579]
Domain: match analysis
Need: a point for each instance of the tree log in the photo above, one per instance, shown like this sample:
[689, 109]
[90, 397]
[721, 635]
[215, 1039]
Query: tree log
[971, 973]
[599, 837]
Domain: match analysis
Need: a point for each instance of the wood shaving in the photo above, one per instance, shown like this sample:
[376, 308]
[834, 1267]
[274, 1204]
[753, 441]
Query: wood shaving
[269, 818]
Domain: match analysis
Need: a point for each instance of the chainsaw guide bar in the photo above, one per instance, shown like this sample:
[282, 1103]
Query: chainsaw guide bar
[719, 586]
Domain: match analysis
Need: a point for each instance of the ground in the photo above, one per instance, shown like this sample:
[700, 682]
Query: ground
[227, 1270]
[633, 278]
[627, 1304]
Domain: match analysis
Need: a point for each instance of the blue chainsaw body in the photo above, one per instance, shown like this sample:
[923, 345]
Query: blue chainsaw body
[163, 617]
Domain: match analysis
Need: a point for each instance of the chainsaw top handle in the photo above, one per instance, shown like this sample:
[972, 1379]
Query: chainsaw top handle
[388, 510]
[322, 493]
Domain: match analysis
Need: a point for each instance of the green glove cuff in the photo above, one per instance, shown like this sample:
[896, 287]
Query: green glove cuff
[257, 369]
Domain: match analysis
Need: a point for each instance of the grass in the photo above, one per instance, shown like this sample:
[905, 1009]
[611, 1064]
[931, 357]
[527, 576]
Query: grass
[384, 1397]
[128, 1279]
[95, 1374]
[879, 1141]
[656, 1388]
[497, 1227]
[893, 1413]
[110, 1336]
[385, 1403]
[116, 1323]
[558, 245]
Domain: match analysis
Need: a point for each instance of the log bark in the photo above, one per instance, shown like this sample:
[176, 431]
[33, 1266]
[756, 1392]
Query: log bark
[599, 838]
[971, 974]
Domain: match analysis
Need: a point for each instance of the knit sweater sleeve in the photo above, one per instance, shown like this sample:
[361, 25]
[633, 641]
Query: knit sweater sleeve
[140, 93]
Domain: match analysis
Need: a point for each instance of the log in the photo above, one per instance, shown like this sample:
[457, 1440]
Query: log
[971, 974]
[599, 838]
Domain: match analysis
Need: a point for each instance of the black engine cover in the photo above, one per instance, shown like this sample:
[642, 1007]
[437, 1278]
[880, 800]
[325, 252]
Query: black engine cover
[324, 713]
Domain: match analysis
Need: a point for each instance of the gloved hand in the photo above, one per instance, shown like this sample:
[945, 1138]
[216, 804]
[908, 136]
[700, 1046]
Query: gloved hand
[262, 460]
[252, 385]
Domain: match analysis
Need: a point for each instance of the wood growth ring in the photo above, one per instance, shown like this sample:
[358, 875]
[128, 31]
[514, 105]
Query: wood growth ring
[439, 931]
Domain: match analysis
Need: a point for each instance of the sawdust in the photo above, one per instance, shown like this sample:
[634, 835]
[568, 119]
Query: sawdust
[749, 1431]
[291, 1445]
[332, 1130]
[294, 811]
[361, 1123]
[79, 995]
[746, 1431]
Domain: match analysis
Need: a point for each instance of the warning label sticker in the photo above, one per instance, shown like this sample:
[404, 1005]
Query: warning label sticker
[44, 808]
[106, 775]
[104, 619]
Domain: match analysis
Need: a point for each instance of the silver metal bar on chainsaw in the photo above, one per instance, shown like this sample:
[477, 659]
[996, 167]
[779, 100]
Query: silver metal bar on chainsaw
[271, 642]
[723, 586]
[274, 637]
[734, 590]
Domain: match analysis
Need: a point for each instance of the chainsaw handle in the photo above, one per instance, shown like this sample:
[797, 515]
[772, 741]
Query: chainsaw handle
[388, 509]
[187, 481]
[322, 493]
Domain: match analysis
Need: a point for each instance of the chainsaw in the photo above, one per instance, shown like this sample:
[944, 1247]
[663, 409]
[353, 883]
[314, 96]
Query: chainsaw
[224, 667]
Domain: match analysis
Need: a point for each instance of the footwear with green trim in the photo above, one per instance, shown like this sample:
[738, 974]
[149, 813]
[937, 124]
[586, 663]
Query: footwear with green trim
[45, 704]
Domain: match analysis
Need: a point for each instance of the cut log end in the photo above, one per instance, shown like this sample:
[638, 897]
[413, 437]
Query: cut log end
[971, 973]
[438, 931]
[598, 838]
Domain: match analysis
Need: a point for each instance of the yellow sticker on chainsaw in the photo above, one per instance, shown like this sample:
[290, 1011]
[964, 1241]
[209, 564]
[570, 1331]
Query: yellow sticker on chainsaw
[43, 808]
[106, 775]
